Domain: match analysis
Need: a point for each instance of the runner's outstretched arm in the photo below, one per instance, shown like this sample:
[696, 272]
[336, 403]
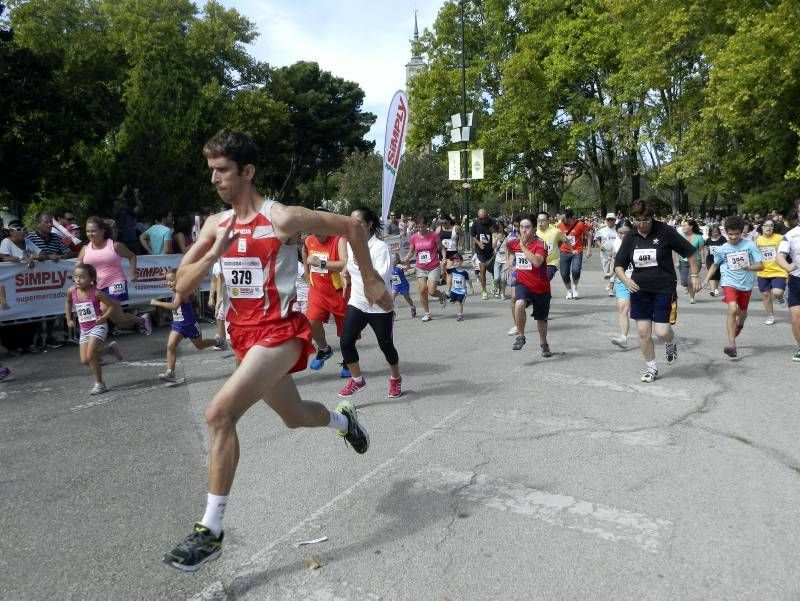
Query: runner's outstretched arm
[203, 254]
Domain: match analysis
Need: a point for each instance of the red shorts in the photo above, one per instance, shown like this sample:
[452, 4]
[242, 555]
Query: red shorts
[324, 303]
[272, 334]
[734, 295]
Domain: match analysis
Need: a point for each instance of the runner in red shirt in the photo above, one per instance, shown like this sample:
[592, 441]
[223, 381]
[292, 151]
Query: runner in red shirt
[255, 243]
[571, 261]
[324, 258]
[533, 285]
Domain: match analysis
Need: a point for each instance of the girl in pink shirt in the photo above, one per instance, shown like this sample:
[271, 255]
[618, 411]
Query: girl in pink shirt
[427, 247]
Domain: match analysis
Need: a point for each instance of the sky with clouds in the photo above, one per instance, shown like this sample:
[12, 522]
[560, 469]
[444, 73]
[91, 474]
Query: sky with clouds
[366, 41]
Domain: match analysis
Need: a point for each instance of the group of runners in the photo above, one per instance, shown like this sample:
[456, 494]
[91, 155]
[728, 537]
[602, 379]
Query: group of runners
[259, 255]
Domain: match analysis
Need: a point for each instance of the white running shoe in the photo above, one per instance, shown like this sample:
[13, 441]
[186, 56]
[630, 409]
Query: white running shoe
[114, 350]
[513, 331]
[620, 341]
[770, 320]
[168, 376]
[569, 294]
[575, 295]
[98, 388]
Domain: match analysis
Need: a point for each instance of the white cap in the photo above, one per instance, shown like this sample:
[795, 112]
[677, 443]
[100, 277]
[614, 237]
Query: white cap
[611, 216]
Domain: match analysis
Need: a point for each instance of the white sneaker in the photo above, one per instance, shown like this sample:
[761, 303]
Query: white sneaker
[168, 376]
[691, 301]
[513, 331]
[569, 294]
[98, 388]
[426, 317]
[770, 320]
[610, 292]
[620, 341]
[114, 350]
[575, 295]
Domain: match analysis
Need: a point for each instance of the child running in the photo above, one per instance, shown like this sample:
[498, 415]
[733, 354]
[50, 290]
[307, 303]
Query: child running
[459, 277]
[84, 298]
[400, 285]
[184, 325]
[738, 260]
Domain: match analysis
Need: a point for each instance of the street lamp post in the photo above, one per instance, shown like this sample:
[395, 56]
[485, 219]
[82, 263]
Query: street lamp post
[465, 184]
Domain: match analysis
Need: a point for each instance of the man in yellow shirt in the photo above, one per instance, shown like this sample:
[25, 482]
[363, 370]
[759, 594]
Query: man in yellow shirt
[771, 279]
[552, 238]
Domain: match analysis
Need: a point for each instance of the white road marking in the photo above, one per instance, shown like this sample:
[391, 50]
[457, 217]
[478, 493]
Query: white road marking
[651, 437]
[261, 560]
[653, 390]
[605, 522]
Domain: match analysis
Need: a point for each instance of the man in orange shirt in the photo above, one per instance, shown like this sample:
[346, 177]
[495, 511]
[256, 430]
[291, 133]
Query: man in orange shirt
[571, 261]
[324, 258]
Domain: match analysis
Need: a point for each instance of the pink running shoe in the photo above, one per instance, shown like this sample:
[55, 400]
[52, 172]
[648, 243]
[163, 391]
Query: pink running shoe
[352, 387]
[147, 324]
[394, 387]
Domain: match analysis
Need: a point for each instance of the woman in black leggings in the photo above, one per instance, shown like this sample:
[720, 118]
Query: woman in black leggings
[360, 312]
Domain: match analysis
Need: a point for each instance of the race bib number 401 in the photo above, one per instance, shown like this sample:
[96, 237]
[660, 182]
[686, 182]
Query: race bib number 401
[738, 260]
[244, 277]
[644, 257]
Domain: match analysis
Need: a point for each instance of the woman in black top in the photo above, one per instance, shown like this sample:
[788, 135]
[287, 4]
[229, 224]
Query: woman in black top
[715, 239]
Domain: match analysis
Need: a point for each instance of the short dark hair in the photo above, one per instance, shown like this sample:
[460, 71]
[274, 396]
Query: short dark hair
[545, 213]
[569, 214]
[234, 145]
[735, 222]
[60, 212]
[642, 209]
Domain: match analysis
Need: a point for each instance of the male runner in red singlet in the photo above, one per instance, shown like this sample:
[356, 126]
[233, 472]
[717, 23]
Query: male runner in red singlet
[255, 245]
[324, 258]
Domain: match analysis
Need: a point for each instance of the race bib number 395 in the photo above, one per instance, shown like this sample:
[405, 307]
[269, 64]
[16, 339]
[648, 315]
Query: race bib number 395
[244, 277]
[737, 260]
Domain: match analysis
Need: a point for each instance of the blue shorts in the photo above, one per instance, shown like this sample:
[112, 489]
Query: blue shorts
[767, 284]
[540, 302]
[658, 307]
[117, 291]
[794, 292]
[190, 330]
[401, 289]
[455, 297]
[621, 292]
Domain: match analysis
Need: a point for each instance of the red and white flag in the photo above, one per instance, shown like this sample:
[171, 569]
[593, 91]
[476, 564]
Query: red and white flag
[393, 146]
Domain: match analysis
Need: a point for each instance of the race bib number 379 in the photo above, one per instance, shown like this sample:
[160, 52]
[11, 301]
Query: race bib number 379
[244, 277]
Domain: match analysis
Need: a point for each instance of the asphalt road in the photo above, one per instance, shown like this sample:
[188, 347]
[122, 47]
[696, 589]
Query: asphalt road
[498, 474]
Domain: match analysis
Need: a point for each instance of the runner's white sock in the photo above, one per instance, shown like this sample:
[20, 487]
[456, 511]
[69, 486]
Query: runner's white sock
[652, 364]
[215, 509]
[338, 421]
[359, 379]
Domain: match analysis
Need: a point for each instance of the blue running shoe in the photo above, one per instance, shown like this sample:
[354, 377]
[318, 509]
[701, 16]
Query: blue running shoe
[322, 356]
[345, 373]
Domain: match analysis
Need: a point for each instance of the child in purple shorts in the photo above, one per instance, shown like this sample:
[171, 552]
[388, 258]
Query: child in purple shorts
[184, 325]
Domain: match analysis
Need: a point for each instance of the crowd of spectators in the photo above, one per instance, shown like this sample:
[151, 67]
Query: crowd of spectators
[58, 236]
